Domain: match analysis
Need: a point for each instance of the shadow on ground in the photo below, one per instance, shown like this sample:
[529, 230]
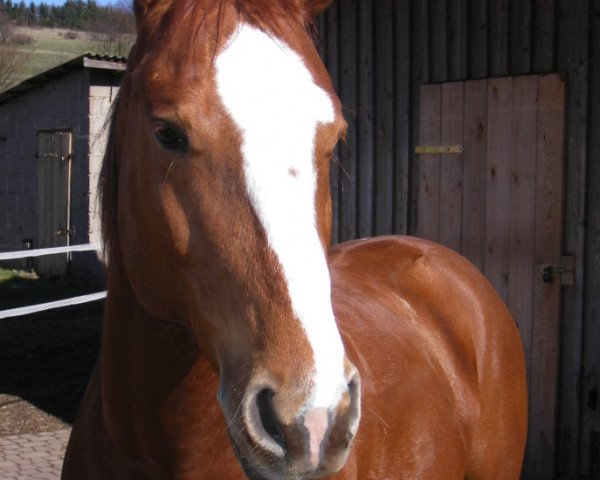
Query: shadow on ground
[45, 358]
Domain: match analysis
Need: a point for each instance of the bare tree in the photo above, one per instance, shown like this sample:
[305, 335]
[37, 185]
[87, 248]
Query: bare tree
[12, 58]
[114, 31]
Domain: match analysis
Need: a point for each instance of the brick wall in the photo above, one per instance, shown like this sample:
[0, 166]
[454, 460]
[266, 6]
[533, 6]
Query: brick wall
[78, 102]
[59, 104]
[103, 89]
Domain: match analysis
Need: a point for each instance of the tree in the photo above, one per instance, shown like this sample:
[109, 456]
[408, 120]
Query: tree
[91, 11]
[44, 14]
[31, 14]
[11, 59]
[56, 17]
[20, 12]
[114, 31]
[9, 8]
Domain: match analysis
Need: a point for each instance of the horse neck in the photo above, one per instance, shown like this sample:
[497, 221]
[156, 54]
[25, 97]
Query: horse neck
[144, 360]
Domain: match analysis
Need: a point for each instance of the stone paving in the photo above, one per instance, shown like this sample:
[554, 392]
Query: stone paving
[33, 456]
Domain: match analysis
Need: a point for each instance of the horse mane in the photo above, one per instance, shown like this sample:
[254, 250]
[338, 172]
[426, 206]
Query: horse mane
[267, 15]
[107, 187]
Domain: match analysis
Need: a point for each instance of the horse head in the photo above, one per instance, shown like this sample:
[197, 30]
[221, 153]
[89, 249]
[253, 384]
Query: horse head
[222, 140]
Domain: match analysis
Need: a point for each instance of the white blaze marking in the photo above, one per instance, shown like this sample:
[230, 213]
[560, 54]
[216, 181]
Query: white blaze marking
[271, 96]
[316, 422]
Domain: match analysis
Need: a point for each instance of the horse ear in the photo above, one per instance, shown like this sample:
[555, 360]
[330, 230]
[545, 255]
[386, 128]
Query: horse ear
[315, 7]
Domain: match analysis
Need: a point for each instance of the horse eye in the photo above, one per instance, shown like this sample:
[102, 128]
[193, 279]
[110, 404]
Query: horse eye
[171, 139]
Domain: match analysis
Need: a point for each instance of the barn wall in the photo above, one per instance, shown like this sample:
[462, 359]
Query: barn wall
[590, 417]
[56, 105]
[380, 52]
[80, 102]
[103, 89]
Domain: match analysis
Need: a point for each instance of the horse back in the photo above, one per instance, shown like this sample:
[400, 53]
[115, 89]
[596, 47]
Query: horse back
[442, 365]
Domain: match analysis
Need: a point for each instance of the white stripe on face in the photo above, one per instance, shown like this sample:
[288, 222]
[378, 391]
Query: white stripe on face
[271, 96]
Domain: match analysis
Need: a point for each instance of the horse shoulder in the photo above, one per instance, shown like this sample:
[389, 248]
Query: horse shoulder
[422, 326]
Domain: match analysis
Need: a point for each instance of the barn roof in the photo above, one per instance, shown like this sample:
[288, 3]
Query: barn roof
[87, 60]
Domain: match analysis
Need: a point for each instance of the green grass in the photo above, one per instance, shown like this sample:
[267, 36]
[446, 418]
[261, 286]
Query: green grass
[7, 275]
[50, 48]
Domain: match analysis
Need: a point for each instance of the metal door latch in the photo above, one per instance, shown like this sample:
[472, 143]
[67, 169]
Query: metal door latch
[566, 271]
[549, 271]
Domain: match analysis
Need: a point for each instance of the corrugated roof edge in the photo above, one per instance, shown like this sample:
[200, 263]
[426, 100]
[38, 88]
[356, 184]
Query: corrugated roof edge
[87, 60]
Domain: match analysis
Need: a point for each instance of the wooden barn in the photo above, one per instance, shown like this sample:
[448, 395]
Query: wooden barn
[477, 124]
[52, 136]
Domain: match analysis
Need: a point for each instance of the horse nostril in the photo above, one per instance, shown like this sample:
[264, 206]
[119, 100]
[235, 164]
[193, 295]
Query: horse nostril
[266, 413]
[354, 385]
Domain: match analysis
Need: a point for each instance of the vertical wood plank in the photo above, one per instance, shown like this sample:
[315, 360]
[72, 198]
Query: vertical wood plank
[438, 41]
[50, 201]
[366, 106]
[420, 76]
[402, 114]
[321, 32]
[498, 183]
[522, 208]
[457, 39]
[498, 35]
[429, 165]
[477, 40]
[65, 149]
[544, 37]
[44, 196]
[572, 59]
[421, 42]
[546, 296]
[591, 327]
[57, 204]
[384, 116]
[520, 38]
[52, 189]
[330, 39]
[53, 192]
[451, 166]
[474, 172]
[348, 13]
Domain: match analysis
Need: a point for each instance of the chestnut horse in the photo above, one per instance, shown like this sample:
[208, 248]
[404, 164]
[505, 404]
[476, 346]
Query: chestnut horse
[236, 344]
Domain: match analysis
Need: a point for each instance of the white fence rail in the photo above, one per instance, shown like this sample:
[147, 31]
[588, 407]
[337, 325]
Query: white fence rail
[92, 297]
[38, 252]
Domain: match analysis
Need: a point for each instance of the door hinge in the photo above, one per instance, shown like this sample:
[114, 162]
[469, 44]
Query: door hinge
[566, 271]
[433, 149]
[64, 232]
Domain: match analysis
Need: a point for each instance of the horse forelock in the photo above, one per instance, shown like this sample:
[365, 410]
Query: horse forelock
[170, 21]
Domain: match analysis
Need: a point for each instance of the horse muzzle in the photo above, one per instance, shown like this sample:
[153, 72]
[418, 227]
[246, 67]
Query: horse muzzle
[314, 444]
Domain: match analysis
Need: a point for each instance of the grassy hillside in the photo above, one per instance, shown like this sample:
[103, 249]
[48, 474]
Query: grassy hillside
[47, 47]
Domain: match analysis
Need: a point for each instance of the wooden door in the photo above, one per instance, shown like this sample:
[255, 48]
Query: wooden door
[54, 197]
[499, 202]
